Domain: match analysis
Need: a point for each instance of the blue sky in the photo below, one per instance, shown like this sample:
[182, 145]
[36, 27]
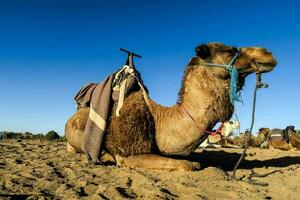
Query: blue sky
[49, 49]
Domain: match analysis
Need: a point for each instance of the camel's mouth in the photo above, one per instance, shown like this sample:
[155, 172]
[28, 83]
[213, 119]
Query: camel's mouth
[265, 66]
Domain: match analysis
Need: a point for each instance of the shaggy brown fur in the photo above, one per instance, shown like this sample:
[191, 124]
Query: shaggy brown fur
[204, 93]
[123, 136]
[138, 140]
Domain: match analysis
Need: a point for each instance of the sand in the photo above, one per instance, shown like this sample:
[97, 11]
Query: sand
[33, 169]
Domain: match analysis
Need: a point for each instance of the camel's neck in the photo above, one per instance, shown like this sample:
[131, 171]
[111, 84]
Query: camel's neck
[206, 99]
[206, 96]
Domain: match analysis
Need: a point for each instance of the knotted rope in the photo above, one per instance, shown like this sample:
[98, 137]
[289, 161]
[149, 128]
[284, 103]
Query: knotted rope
[235, 93]
[258, 85]
[120, 82]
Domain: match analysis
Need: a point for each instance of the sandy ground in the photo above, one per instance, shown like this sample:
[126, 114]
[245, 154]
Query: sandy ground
[42, 170]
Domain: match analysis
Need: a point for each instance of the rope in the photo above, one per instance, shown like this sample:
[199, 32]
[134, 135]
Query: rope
[235, 94]
[119, 84]
[257, 86]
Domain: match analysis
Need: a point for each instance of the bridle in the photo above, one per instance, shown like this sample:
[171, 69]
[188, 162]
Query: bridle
[211, 133]
[235, 94]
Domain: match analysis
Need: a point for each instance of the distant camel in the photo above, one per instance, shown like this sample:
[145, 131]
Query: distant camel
[225, 131]
[261, 140]
[286, 139]
[146, 132]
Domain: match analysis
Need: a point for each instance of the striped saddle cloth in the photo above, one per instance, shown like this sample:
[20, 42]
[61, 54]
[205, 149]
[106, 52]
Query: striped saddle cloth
[277, 135]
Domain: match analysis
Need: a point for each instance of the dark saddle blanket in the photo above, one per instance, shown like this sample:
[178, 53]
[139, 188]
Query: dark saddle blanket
[112, 84]
[84, 95]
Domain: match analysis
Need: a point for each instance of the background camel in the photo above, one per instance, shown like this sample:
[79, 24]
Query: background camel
[262, 138]
[144, 134]
[255, 141]
[286, 139]
[225, 131]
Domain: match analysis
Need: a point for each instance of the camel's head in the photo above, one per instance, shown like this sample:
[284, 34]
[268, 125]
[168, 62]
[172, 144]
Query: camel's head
[228, 127]
[263, 132]
[250, 59]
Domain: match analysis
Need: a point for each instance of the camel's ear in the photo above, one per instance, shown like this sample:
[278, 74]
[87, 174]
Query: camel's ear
[203, 51]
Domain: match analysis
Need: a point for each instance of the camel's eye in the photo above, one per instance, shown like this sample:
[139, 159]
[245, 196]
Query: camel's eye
[230, 122]
[233, 50]
[203, 51]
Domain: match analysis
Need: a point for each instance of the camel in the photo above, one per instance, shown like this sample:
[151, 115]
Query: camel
[260, 140]
[215, 141]
[149, 135]
[289, 140]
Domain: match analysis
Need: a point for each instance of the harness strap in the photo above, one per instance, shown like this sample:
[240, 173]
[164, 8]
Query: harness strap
[121, 87]
[145, 94]
[190, 116]
[216, 132]
[121, 97]
[211, 133]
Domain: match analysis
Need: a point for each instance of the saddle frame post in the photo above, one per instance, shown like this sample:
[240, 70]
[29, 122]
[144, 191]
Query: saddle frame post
[129, 60]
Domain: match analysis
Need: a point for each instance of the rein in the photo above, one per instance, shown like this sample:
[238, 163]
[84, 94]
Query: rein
[212, 133]
[258, 85]
[235, 95]
[216, 132]
[190, 116]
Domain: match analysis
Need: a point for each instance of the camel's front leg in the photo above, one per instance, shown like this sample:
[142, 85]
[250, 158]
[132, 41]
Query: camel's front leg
[151, 161]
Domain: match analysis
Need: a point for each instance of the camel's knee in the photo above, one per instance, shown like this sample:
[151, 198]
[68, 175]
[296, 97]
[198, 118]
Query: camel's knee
[70, 149]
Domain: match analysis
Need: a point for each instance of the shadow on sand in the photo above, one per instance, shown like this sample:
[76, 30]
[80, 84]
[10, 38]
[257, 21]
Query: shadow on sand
[227, 161]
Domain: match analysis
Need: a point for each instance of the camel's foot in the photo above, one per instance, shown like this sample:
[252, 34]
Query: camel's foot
[106, 157]
[70, 149]
[151, 161]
